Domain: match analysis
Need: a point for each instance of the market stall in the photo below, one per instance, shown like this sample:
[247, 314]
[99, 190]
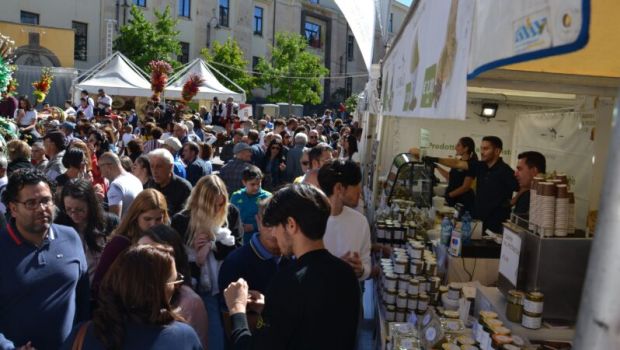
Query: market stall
[526, 297]
[211, 88]
[117, 75]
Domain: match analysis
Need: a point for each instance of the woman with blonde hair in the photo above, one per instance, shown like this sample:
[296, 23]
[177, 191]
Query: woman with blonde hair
[19, 156]
[147, 210]
[202, 225]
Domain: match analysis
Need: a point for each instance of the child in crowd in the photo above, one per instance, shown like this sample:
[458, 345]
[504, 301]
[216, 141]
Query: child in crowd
[248, 198]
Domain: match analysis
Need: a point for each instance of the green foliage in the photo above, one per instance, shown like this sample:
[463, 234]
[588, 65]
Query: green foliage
[229, 60]
[142, 41]
[351, 103]
[290, 60]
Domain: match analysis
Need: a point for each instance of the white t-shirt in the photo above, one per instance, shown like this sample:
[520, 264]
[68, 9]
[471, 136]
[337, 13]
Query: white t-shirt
[349, 232]
[127, 138]
[28, 118]
[107, 100]
[123, 190]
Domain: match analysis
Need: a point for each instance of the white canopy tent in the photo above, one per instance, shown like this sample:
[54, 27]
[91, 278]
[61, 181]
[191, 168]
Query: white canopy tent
[211, 88]
[117, 75]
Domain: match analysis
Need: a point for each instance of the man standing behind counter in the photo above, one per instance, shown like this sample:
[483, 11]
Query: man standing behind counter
[530, 164]
[495, 182]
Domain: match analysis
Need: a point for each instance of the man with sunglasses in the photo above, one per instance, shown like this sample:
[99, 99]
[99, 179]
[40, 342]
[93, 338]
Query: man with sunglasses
[44, 289]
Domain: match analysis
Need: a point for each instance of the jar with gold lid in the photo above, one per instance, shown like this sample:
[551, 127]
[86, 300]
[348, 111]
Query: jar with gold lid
[390, 297]
[531, 321]
[412, 302]
[401, 314]
[454, 291]
[514, 306]
[401, 300]
[423, 300]
[414, 286]
[390, 313]
[534, 302]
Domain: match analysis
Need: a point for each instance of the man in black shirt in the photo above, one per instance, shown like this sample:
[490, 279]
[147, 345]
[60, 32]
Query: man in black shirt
[311, 304]
[176, 189]
[530, 164]
[495, 182]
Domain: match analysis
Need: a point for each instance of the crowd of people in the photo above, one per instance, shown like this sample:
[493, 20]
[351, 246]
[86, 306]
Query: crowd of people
[167, 229]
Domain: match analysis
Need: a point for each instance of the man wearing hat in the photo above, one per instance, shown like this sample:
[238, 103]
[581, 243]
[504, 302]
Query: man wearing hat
[68, 128]
[173, 145]
[231, 173]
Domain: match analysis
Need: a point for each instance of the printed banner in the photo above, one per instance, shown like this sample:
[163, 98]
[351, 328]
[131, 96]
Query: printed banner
[565, 141]
[245, 111]
[360, 15]
[424, 74]
[508, 31]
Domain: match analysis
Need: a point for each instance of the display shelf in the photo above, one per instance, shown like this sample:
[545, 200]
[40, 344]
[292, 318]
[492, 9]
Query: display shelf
[490, 298]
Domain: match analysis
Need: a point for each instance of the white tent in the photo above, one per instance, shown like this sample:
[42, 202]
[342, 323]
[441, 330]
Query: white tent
[211, 88]
[117, 75]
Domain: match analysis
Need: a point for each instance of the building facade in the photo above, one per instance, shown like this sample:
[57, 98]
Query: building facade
[252, 23]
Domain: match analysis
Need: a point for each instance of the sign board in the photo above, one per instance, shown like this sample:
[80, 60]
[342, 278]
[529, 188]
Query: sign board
[509, 256]
[506, 31]
[446, 42]
[245, 111]
[424, 75]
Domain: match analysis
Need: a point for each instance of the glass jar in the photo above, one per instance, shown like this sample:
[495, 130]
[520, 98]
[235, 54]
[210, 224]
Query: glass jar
[414, 286]
[390, 297]
[416, 266]
[400, 265]
[390, 281]
[423, 302]
[534, 302]
[454, 291]
[390, 313]
[401, 300]
[514, 306]
[431, 268]
[412, 302]
[531, 321]
[434, 283]
[403, 283]
[401, 314]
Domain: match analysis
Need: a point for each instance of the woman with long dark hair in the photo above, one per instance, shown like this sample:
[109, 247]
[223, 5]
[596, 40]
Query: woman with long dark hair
[460, 182]
[148, 209]
[135, 306]
[274, 165]
[98, 142]
[349, 148]
[142, 170]
[189, 304]
[81, 208]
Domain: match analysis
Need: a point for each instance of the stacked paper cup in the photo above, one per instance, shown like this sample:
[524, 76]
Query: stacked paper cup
[561, 211]
[533, 204]
[571, 213]
[547, 209]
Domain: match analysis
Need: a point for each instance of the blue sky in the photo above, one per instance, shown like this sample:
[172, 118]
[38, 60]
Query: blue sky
[406, 2]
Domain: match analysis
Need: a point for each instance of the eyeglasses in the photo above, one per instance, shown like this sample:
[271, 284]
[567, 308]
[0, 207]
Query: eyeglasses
[305, 162]
[33, 204]
[75, 210]
[180, 279]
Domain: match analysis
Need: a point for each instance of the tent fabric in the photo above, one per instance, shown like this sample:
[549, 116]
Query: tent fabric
[212, 87]
[117, 77]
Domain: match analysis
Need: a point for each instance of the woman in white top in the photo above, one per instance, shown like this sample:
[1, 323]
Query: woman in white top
[201, 223]
[26, 118]
[349, 148]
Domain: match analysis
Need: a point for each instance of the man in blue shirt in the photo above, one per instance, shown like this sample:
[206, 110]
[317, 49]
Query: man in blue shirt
[43, 274]
[256, 262]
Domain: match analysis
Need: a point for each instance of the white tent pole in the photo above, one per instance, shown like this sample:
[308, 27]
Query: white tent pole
[89, 73]
[225, 77]
[179, 73]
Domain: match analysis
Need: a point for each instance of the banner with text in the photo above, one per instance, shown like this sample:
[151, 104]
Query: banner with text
[360, 15]
[508, 31]
[425, 73]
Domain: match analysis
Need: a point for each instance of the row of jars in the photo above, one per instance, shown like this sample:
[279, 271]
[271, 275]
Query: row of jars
[491, 334]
